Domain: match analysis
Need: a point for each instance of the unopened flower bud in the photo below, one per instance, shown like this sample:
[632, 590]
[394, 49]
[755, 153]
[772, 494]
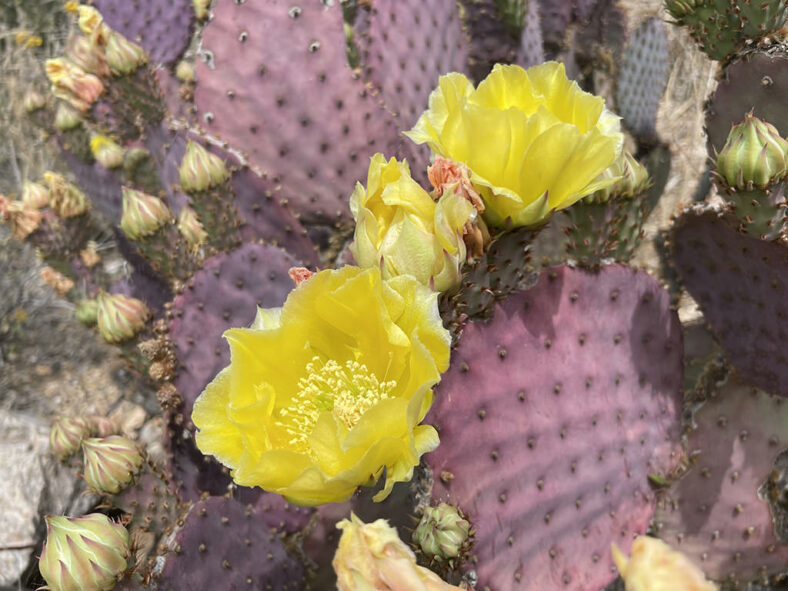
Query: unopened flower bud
[654, 565]
[23, 219]
[57, 281]
[442, 532]
[200, 170]
[123, 56]
[87, 311]
[120, 317]
[92, 24]
[72, 84]
[190, 227]
[754, 155]
[35, 195]
[184, 71]
[201, 8]
[110, 463]
[106, 151]
[66, 117]
[633, 180]
[66, 435]
[371, 557]
[102, 426]
[89, 255]
[86, 553]
[33, 101]
[143, 214]
[65, 199]
[85, 54]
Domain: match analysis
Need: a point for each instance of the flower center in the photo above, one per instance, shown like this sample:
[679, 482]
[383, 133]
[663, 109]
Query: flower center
[346, 390]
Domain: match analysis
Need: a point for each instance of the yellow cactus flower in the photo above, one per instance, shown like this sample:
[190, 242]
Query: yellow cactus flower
[92, 24]
[72, 84]
[534, 141]
[655, 566]
[106, 151]
[400, 229]
[371, 557]
[326, 392]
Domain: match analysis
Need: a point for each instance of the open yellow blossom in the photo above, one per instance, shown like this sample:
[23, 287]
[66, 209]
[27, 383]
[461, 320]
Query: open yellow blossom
[400, 229]
[324, 393]
[655, 566]
[533, 140]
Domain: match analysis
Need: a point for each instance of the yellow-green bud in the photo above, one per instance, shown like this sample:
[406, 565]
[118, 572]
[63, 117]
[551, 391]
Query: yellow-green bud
[123, 56]
[633, 180]
[65, 199]
[66, 117]
[201, 8]
[184, 71]
[87, 553]
[190, 227]
[33, 101]
[143, 214]
[200, 170]
[35, 195]
[134, 157]
[66, 435]
[106, 151]
[442, 532]
[87, 312]
[120, 317]
[110, 463]
[754, 155]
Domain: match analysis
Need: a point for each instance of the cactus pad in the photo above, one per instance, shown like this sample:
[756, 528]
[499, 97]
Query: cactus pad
[740, 283]
[531, 50]
[572, 392]
[715, 514]
[162, 28]
[262, 60]
[643, 77]
[224, 545]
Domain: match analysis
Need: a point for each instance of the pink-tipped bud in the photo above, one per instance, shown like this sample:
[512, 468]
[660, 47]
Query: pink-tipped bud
[33, 101]
[120, 317]
[446, 174]
[66, 435]
[200, 170]
[123, 56]
[23, 219]
[143, 214]
[65, 199]
[102, 426]
[190, 227]
[66, 117]
[35, 195]
[72, 84]
[88, 553]
[299, 274]
[110, 463]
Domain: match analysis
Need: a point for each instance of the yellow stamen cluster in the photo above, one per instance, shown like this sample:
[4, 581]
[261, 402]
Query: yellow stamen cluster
[346, 390]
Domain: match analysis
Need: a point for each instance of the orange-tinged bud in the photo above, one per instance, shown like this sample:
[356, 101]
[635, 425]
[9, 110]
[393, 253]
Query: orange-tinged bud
[90, 255]
[123, 56]
[66, 435]
[23, 219]
[72, 84]
[87, 553]
[57, 281]
[143, 214]
[35, 195]
[120, 317]
[110, 463]
[106, 151]
[200, 170]
[65, 199]
[190, 227]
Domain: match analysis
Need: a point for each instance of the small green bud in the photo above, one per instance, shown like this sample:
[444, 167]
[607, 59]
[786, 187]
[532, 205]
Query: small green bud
[120, 317]
[123, 56]
[754, 155]
[88, 553]
[33, 102]
[65, 199]
[66, 117]
[200, 170]
[442, 532]
[201, 8]
[86, 311]
[633, 180]
[143, 214]
[66, 435]
[190, 227]
[35, 195]
[110, 463]
[106, 151]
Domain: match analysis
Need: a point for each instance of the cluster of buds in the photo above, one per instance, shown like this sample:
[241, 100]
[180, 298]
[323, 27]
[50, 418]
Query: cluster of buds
[143, 214]
[120, 317]
[200, 170]
[755, 156]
